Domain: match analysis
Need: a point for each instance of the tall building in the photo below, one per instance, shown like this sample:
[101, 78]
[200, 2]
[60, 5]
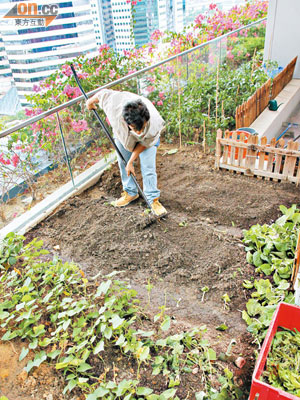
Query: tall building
[146, 21]
[5, 70]
[101, 11]
[122, 19]
[34, 52]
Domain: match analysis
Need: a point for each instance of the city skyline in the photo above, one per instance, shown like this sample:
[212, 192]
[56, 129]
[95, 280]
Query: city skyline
[29, 51]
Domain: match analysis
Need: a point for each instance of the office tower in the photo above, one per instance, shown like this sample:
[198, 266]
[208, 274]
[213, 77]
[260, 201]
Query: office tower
[122, 19]
[35, 51]
[101, 11]
[5, 70]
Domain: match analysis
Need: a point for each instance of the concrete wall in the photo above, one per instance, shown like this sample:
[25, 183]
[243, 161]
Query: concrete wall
[283, 33]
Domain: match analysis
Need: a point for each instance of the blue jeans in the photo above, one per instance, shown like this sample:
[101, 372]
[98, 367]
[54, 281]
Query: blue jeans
[148, 169]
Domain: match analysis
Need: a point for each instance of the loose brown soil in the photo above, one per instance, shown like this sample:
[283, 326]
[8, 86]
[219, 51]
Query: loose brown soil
[198, 244]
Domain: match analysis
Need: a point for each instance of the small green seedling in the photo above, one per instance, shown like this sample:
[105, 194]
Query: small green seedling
[222, 327]
[183, 223]
[204, 290]
[226, 300]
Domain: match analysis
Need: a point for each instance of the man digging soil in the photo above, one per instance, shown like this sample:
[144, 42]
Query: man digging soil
[136, 126]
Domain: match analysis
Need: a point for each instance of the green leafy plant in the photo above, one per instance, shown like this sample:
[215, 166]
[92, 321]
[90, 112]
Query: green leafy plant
[283, 362]
[271, 249]
[71, 323]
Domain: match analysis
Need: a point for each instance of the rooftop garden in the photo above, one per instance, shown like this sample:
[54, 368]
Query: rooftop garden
[104, 310]
[206, 85]
[100, 309]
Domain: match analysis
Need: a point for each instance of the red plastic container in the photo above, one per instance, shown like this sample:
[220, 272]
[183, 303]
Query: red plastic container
[287, 316]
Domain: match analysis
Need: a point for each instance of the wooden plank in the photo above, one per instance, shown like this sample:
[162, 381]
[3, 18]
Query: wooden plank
[261, 162]
[233, 148]
[225, 152]
[291, 171]
[268, 94]
[251, 152]
[261, 100]
[262, 148]
[258, 101]
[255, 172]
[218, 148]
[244, 111]
[271, 155]
[298, 175]
[278, 157]
[287, 162]
[237, 118]
[241, 153]
[249, 107]
[254, 152]
[291, 68]
[253, 109]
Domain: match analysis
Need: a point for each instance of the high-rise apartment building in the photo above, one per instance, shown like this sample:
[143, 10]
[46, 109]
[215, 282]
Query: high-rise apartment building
[101, 11]
[35, 51]
[5, 70]
[122, 19]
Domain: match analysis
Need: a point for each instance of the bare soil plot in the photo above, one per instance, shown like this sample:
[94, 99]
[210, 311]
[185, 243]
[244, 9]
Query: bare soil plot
[197, 245]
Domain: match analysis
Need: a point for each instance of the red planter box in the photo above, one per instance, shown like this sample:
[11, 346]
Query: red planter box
[287, 316]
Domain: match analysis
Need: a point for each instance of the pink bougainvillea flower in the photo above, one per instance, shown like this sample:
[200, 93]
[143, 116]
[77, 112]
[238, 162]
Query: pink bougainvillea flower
[150, 89]
[161, 95]
[3, 160]
[15, 160]
[112, 73]
[72, 92]
[170, 69]
[103, 48]
[159, 103]
[36, 88]
[66, 70]
[131, 71]
[230, 55]
[156, 35]
[79, 126]
[83, 75]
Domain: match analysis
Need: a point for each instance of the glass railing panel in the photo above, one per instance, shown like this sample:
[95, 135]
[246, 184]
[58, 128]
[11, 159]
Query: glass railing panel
[30, 164]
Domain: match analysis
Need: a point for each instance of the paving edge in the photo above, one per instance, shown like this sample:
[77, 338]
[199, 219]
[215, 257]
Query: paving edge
[40, 211]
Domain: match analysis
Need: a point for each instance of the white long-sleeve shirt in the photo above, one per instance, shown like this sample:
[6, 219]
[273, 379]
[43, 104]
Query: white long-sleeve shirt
[112, 103]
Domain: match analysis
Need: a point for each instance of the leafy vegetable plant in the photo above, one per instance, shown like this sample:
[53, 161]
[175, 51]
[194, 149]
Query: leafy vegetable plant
[271, 249]
[283, 362]
[65, 320]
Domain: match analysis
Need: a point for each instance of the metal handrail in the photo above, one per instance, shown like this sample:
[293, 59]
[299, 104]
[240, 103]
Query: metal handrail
[121, 80]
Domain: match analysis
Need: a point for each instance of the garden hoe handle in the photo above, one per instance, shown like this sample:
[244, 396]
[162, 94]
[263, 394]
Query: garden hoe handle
[111, 140]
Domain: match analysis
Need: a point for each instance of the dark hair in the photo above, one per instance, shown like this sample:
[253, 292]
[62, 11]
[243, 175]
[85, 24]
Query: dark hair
[136, 114]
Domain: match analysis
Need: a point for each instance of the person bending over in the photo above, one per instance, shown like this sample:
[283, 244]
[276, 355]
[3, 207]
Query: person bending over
[136, 126]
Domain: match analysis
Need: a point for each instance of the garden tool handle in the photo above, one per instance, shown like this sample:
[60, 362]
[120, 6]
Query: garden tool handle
[110, 138]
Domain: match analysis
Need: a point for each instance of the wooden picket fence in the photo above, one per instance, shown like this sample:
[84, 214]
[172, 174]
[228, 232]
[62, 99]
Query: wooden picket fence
[247, 112]
[283, 78]
[243, 153]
